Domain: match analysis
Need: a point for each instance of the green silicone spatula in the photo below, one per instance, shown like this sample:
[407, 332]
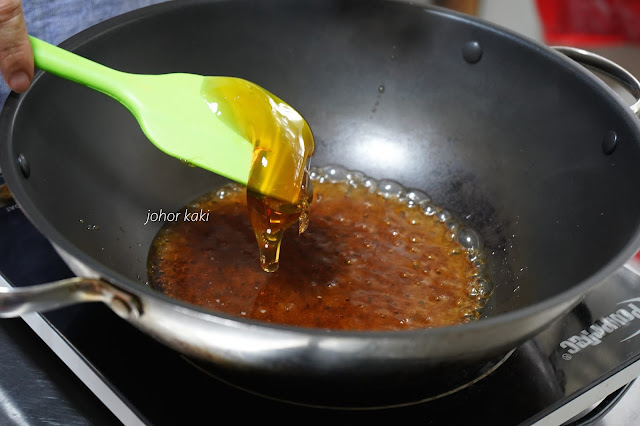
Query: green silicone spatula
[168, 107]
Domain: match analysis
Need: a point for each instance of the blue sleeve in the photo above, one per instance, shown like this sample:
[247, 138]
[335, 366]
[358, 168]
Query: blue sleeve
[56, 20]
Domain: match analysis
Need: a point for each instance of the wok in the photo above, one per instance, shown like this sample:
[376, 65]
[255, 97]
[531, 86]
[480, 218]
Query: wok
[518, 141]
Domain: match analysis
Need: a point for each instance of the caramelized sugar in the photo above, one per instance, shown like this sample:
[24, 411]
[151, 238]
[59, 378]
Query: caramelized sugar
[283, 143]
[365, 263]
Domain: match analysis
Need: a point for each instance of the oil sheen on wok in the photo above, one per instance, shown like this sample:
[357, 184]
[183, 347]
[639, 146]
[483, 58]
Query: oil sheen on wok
[370, 260]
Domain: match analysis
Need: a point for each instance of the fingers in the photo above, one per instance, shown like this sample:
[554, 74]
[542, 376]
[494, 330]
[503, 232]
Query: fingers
[16, 56]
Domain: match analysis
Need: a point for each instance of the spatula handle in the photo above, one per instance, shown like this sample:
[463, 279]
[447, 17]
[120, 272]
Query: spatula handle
[73, 67]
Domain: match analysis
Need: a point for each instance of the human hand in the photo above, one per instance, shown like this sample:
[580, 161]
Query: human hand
[16, 55]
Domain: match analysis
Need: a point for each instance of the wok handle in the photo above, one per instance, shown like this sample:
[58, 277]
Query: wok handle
[608, 67]
[44, 297]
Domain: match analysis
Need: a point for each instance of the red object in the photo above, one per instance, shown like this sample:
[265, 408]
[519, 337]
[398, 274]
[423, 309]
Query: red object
[590, 22]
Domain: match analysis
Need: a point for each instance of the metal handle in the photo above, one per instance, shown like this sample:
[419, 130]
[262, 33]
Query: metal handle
[44, 297]
[608, 67]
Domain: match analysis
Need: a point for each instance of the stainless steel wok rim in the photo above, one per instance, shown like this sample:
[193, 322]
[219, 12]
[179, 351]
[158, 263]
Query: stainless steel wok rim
[568, 298]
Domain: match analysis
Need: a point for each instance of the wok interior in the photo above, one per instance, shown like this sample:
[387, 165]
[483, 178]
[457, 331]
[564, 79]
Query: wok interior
[511, 144]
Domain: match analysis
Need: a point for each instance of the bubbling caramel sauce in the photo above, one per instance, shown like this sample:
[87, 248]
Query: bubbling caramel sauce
[278, 187]
[374, 258]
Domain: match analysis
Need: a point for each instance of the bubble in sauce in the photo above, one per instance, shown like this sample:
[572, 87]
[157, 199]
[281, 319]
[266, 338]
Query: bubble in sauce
[390, 189]
[469, 239]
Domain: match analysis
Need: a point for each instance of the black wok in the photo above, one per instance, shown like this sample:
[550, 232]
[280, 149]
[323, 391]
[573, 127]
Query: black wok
[518, 141]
